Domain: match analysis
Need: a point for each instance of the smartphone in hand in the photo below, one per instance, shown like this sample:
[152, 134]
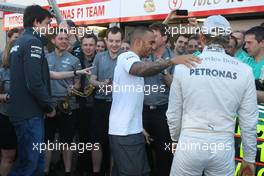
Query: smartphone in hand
[181, 12]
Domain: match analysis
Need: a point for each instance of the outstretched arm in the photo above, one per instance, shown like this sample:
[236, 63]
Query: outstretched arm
[69, 74]
[144, 69]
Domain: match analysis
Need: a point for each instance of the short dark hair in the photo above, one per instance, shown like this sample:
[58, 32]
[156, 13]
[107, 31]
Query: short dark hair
[101, 40]
[220, 40]
[182, 35]
[194, 37]
[89, 36]
[12, 31]
[114, 30]
[70, 23]
[162, 28]
[258, 31]
[35, 12]
[139, 32]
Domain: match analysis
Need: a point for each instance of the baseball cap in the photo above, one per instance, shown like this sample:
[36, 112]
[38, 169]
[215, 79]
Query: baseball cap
[216, 25]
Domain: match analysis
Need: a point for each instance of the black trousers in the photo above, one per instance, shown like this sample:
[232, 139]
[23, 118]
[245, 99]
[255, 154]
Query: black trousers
[155, 122]
[65, 124]
[84, 128]
[100, 125]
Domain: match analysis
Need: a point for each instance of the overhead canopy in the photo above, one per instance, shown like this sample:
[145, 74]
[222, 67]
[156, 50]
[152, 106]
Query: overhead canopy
[9, 7]
[106, 11]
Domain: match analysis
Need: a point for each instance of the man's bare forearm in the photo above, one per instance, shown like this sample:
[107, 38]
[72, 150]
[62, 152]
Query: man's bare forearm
[166, 21]
[63, 75]
[168, 18]
[144, 69]
[96, 83]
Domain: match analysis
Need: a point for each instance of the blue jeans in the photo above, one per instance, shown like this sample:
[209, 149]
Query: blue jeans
[30, 161]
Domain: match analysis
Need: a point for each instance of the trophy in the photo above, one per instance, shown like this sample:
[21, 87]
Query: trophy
[64, 106]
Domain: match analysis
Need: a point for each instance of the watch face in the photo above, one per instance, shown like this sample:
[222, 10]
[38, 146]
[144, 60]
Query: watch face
[165, 72]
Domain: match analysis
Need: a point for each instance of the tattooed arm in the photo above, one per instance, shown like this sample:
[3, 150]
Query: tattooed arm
[149, 68]
[144, 69]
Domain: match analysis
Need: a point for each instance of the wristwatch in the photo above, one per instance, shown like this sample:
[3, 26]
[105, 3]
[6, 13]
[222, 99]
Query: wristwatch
[165, 72]
[75, 73]
[7, 97]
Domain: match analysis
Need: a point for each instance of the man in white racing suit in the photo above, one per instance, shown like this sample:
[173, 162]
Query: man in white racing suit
[203, 105]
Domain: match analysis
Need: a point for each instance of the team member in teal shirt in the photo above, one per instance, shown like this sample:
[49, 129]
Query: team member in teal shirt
[244, 57]
[256, 66]
[254, 44]
[240, 53]
[196, 53]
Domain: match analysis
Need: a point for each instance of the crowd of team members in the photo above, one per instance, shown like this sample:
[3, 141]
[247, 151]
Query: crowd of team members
[84, 118]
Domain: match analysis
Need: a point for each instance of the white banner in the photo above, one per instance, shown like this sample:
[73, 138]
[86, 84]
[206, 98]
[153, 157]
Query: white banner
[202, 5]
[39, 2]
[80, 13]
[94, 11]
[137, 8]
[9, 7]
[106, 11]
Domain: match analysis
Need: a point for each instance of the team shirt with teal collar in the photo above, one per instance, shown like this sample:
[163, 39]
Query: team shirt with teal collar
[242, 55]
[256, 66]
[257, 69]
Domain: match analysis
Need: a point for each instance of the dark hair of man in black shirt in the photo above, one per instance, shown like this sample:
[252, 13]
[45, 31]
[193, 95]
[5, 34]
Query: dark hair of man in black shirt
[89, 36]
[35, 13]
[162, 28]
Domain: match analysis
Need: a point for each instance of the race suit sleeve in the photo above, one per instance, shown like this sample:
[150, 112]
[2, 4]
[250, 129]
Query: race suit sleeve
[175, 107]
[248, 118]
